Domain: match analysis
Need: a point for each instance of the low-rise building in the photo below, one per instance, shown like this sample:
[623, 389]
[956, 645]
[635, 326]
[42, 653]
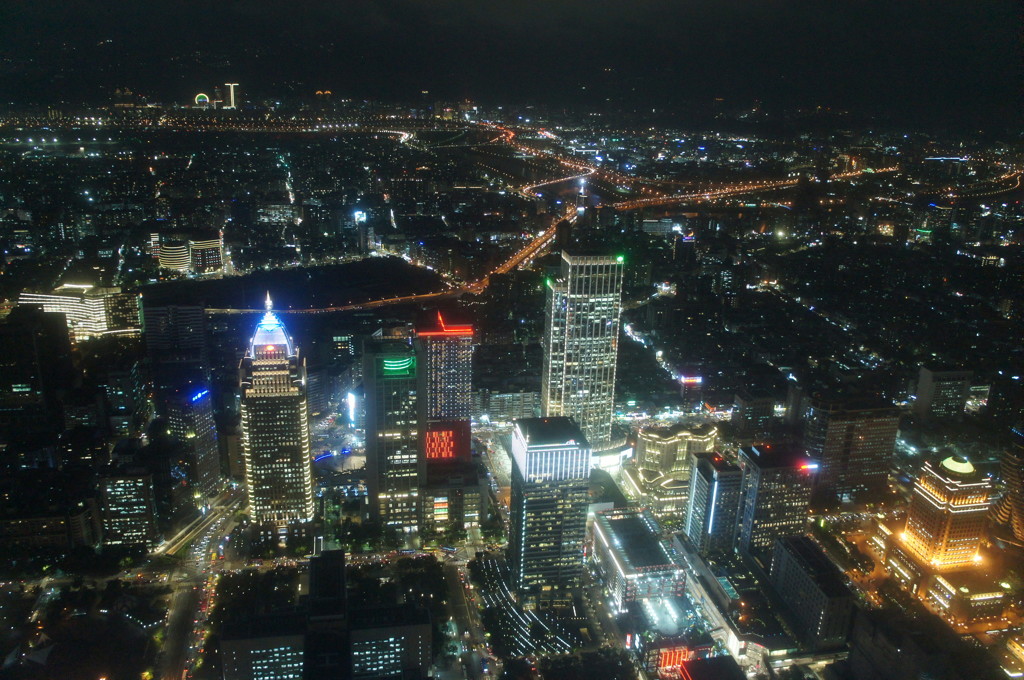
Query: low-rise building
[635, 563]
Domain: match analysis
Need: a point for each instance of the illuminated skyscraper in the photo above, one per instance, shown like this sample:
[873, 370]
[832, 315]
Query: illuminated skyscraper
[714, 504]
[190, 418]
[947, 514]
[445, 355]
[853, 444]
[550, 482]
[776, 492]
[275, 427]
[581, 340]
[394, 465]
[129, 507]
[1009, 510]
[454, 488]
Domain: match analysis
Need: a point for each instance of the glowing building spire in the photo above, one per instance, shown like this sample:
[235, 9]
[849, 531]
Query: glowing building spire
[268, 303]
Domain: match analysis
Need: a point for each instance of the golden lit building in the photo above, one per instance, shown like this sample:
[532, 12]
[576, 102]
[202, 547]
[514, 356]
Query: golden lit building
[668, 449]
[947, 514]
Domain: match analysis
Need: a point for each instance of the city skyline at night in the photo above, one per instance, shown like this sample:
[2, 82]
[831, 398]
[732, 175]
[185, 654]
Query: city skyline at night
[511, 340]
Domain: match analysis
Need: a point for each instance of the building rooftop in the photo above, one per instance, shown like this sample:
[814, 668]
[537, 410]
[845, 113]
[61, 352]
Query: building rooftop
[776, 456]
[285, 623]
[719, 464]
[715, 668]
[271, 331]
[581, 251]
[635, 539]
[814, 562]
[679, 431]
[958, 465]
[388, 617]
[551, 431]
[443, 326]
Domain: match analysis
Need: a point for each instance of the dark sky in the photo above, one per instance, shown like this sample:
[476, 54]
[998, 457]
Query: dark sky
[916, 61]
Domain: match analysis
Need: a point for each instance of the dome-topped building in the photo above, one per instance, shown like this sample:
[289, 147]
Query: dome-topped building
[946, 520]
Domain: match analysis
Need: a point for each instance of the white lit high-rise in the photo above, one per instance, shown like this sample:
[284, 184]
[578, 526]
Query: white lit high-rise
[275, 427]
[581, 342]
[548, 517]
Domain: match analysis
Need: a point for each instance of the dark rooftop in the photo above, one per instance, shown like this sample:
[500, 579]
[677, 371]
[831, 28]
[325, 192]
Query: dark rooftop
[815, 563]
[276, 624]
[635, 537]
[546, 431]
[640, 546]
[775, 456]
[715, 668]
[388, 617]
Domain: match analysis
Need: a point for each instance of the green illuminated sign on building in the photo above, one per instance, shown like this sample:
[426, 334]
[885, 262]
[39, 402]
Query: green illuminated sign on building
[398, 367]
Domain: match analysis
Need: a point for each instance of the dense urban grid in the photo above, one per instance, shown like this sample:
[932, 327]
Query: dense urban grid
[329, 388]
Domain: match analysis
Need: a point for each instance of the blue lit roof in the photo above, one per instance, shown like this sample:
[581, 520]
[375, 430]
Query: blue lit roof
[271, 331]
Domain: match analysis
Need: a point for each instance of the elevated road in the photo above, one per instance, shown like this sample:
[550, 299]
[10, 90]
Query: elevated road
[728, 190]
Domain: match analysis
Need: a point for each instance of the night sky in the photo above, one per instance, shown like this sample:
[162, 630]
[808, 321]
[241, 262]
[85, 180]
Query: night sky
[935, 62]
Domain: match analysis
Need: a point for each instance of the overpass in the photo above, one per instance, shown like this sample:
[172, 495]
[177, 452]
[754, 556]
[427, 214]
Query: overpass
[728, 190]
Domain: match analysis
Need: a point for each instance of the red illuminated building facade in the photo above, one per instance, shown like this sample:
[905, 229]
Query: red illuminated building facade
[454, 488]
[446, 367]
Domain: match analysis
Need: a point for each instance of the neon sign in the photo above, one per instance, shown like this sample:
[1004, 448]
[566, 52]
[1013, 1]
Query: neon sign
[463, 329]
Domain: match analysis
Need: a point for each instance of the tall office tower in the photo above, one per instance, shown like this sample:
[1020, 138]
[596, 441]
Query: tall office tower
[128, 507]
[454, 488]
[326, 615]
[713, 509]
[1009, 510]
[941, 393]
[190, 419]
[581, 340]
[232, 95]
[550, 482]
[394, 466]
[175, 338]
[33, 378]
[126, 405]
[445, 355]
[275, 427]
[853, 444]
[175, 334]
[776, 492]
[947, 514]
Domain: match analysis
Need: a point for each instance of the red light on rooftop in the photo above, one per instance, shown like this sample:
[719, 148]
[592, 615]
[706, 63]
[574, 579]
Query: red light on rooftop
[453, 330]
